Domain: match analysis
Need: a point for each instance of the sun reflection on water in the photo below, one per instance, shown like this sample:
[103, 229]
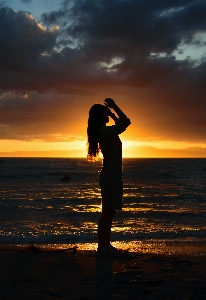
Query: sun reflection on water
[86, 208]
[142, 247]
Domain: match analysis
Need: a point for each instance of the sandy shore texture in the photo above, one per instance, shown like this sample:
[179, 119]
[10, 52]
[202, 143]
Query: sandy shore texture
[70, 274]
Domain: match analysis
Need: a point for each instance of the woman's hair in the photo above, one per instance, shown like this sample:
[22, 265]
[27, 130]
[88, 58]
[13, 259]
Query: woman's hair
[95, 121]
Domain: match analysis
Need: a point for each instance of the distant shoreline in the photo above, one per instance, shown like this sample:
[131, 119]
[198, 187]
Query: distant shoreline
[151, 247]
[130, 152]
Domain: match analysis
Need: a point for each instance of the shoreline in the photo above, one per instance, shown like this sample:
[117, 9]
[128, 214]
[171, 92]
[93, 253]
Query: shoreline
[151, 247]
[82, 274]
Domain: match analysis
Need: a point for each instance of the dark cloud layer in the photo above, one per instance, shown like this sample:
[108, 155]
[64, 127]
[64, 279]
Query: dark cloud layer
[90, 45]
[26, 1]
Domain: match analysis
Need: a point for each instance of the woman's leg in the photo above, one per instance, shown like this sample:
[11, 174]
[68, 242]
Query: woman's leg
[104, 228]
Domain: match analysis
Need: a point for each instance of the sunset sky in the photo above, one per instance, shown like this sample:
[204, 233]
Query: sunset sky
[59, 57]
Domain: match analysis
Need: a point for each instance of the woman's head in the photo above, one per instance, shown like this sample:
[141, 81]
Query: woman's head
[95, 113]
[97, 117]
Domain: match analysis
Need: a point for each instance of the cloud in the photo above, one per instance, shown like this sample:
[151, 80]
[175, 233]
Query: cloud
[23, 42]
[26, 1]
[34, 116]
[88, 46]
[95, 33]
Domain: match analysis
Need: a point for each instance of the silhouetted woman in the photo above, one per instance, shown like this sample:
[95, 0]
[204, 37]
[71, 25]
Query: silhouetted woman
[105, 139]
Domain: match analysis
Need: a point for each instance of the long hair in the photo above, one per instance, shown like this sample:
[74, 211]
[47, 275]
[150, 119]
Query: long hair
[95, 121]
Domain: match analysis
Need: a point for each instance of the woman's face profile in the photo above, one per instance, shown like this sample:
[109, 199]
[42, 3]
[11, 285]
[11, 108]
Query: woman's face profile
[105, 116]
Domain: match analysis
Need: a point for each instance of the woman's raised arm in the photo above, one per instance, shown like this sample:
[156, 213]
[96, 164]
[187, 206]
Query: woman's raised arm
[111, 104]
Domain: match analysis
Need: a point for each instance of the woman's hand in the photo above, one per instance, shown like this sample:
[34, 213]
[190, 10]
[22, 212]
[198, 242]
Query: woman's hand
[109, 102]
[111, 114]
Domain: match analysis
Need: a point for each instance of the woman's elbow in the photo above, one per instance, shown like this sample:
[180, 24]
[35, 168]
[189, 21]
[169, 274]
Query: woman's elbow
[128, 121]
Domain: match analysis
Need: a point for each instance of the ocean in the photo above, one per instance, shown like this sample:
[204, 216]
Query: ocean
[164, 204]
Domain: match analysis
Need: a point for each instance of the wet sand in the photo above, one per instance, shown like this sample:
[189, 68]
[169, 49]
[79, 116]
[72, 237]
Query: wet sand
[82, 274]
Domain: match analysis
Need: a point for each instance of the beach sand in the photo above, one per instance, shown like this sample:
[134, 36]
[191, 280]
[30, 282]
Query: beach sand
[82, 274]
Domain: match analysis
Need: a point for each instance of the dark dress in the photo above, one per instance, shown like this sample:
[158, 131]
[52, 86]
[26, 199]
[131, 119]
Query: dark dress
[110, 179]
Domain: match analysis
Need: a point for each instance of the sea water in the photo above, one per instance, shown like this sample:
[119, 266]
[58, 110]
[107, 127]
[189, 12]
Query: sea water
[164, 201]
